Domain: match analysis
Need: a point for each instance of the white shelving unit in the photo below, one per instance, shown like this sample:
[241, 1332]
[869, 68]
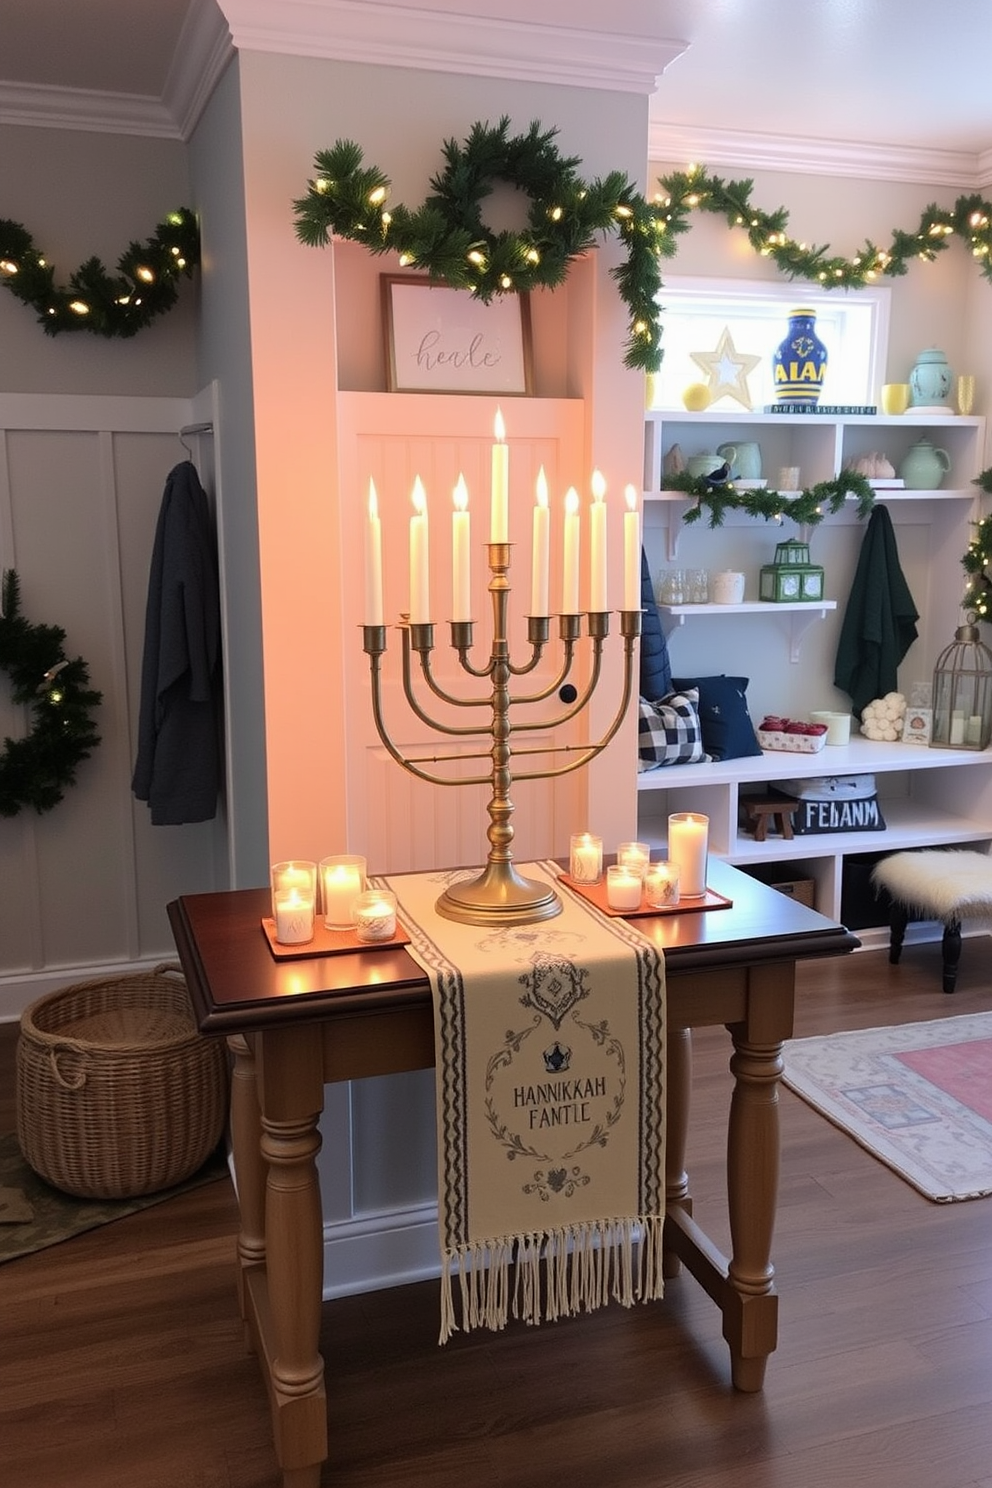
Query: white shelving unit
[929, 797]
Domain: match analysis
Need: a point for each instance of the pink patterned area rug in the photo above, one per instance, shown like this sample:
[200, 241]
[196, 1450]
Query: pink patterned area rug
[918, 1097]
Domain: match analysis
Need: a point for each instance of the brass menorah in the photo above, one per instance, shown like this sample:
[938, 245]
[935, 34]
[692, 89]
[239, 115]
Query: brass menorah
[500, 895]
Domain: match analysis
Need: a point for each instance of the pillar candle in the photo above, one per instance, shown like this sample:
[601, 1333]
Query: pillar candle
[420, 593]
[570, 581]
[461, 571]
[631, 552]
[597, 544]
[294, 917]
[688, 832]
[539, 600]
[342, 879]
[499, 511]
[373, 561]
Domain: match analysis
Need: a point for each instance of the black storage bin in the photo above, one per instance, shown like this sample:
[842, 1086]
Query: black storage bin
[860, 907]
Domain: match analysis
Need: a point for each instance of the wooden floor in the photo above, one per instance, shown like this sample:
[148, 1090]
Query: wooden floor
[122, 1366]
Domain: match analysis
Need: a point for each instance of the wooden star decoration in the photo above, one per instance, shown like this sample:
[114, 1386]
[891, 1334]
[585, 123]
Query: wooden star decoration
[727, 370]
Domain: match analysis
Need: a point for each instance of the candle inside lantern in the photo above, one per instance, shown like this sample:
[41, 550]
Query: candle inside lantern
[973, 729]
[373, 560]
[570, 579]
[539, 600]
[420, 592]
[688, 834]
[342, 879]
[293, 916]
[585, 858]
[597, 544]
[661, 885]
[499, 509]
[461, 571]
[635, 855]
[375, 915]
[623, 887]
[631, 552]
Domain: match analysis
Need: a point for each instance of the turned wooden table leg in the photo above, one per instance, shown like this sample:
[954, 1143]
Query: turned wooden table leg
[679, 1088]
[249, 1166]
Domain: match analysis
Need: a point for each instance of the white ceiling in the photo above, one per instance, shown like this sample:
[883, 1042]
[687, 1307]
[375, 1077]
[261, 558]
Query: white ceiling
[793, 83]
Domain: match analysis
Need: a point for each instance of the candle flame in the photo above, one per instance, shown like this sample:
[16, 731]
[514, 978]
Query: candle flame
[373, 499]
[499, 428]
[598, 485]
[460, 496]
[630, 496]
[572, 500]
[542, 488]
[419, 497]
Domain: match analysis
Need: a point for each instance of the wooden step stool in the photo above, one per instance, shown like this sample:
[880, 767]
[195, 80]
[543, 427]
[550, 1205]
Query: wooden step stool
[763, 813]
[939, 885]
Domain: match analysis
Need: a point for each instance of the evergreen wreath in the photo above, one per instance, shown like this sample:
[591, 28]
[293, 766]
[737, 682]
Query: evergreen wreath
[807, 509]
[35, 770]
[120, 305]
[977, 562]
[447, 236]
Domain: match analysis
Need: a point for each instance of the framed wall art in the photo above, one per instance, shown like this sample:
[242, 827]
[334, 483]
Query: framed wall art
[442, 340]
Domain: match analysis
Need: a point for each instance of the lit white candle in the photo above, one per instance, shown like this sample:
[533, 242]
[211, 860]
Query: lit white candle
[499, 510]
[631, 552]
[341, 882]
[373, 561]
[585, 859]
[375, 915]
[597, 544]
[623, 887]
[661, 885]
[420, 592]
[688, 833]
[570, 581]
[461, 571]
[294, 917]
[539, 597]
[635, 855]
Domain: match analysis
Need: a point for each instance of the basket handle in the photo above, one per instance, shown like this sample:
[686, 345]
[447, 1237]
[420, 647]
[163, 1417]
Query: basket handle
[53, 1059]
[165, 967]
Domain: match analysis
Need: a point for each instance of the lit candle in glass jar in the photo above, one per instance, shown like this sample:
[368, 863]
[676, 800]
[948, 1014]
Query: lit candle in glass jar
[661, 885]
[342, 879]
[635, 855]
[375, 915]
[294, 917]
[688, 833]
[585, 858]
[623, 887]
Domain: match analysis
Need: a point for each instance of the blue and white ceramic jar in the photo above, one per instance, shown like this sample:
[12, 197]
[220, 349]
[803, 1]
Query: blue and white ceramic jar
[800, 362]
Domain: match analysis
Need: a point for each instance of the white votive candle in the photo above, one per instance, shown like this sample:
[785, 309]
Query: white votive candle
[623, 887]
[295, 873]
[375, 915]
[957, 728]
[661, 885]
[973, 729]
[342, 879]
[635, 855]
[688, 834]
[585, 858]
[294, 917]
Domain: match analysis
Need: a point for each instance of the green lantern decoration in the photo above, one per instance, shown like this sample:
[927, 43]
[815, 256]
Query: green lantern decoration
[791, 577]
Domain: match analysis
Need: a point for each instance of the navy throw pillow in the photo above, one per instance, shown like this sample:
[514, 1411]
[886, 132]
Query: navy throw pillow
[656, 671]
[728, 732]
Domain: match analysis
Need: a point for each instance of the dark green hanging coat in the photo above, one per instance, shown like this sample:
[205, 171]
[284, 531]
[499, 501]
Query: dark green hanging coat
[879, 624]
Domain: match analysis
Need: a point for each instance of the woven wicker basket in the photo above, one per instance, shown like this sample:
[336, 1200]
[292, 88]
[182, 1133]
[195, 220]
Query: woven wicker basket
[118, 1094]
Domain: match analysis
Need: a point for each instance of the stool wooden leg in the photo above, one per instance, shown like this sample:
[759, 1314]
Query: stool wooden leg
[898, 920]
[951, 949]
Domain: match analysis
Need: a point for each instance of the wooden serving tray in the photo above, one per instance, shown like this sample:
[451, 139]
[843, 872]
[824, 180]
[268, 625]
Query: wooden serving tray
[328, 942]
[596, 894]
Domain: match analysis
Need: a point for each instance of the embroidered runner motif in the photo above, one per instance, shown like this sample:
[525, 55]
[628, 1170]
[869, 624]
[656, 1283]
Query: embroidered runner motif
[550, 1049]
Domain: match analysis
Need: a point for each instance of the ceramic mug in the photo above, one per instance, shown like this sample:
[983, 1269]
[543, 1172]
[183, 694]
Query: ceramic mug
[895, 397]
[700, 466]
[744, 459]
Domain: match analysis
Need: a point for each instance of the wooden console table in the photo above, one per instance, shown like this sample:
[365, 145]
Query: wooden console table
[293, 1025]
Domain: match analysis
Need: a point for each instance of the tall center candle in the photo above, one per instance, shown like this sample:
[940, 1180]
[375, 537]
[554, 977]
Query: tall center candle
[570, 579]
[499, 510]
[373, 560]
[688, 834]
[461, 572]
[597, 544]
[631, 552]
[539, 599]
[420, 593]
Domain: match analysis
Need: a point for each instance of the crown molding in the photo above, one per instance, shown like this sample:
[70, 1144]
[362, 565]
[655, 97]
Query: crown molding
[739, 150]
[46, 107]
[377, 31]
[202, 52]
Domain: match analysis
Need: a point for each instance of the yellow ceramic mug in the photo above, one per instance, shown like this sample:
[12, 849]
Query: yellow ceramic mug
[895, 397]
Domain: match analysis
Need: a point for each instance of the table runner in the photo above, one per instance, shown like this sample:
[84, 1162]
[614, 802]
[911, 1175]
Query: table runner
[550, 1049]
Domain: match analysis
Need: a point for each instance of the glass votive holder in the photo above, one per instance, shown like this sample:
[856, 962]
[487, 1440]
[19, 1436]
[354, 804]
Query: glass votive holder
[585, 858]
[623, 887]
[661, 885]
[342, 879]
[296, 873]
[374, 913]
[688, 840]
[636, 855]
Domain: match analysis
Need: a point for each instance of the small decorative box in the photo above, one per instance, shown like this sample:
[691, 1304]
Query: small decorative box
[778, 733]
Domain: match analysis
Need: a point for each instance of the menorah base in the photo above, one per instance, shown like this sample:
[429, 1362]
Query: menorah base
[499, 896]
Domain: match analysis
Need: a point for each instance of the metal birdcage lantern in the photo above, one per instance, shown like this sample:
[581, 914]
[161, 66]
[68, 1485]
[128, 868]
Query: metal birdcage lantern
[962, 692]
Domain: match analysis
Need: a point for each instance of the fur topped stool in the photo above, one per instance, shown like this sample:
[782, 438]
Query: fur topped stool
[941, 885]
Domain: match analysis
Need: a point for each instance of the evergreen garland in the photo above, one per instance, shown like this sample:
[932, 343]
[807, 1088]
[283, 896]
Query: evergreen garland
[807, 509]
[35, 770]
[120, 305]
[977, 562]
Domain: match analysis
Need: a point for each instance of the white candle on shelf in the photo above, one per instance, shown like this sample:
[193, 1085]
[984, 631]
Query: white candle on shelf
[420, 591]
[631, 552]
[294, 917]
[499, 510]
[973, 729]
[373, 560]
[461, 569]
[623, 887]
[570, 581]
[585, 858]
[688, 833]
[597, 544]
[539, 598]
[957, 728]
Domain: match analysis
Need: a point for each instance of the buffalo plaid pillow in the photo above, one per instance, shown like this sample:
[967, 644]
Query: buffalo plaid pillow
[669, 731]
